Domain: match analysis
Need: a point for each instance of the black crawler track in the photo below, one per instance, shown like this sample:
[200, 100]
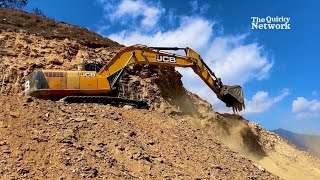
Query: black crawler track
[106, 100]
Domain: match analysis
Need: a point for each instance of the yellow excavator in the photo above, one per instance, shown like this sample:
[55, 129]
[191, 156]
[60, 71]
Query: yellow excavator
[93, 86]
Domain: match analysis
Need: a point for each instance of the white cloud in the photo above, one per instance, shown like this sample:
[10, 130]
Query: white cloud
[193, 32]
[132, 10]
[305, 109]
[236, 62]
[261, 101]
[302, 104]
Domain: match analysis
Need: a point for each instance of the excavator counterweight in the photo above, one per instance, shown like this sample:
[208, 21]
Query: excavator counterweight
[91, 85]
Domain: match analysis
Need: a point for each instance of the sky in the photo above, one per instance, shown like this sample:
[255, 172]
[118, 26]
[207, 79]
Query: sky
[277, 68]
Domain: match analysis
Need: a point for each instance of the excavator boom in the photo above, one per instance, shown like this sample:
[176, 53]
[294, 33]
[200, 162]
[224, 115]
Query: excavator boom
[71, 83]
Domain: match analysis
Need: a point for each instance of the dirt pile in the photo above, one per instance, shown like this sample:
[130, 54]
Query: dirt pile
[179, 137]
[265, 148]
[44, 139]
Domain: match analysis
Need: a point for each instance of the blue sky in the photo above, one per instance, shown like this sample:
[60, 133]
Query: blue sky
[278, 69]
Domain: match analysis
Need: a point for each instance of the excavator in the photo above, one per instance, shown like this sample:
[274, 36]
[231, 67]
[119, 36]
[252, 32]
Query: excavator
[98, 86]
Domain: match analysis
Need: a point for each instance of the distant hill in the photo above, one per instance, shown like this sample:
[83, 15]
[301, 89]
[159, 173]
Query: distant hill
[310, 143]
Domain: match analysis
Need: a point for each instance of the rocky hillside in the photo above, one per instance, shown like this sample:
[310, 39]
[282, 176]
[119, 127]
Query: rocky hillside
[15, 21]
[179, 137]
[52, 140]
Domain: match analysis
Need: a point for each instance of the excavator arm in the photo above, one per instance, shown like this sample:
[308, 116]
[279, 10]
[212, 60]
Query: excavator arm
[232, 96]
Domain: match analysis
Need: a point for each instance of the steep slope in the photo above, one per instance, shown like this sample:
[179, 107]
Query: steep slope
[45, 139]
[51, 140]
[15, 20]
[180, 137]
[266, 149]
[310, 143]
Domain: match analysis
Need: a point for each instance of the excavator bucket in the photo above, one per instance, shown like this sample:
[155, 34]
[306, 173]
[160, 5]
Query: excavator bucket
[233, 97]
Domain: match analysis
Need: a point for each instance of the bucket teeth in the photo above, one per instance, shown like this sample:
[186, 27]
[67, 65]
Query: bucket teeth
[238, 107]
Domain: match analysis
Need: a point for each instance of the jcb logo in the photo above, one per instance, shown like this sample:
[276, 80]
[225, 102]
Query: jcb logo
[169, 59]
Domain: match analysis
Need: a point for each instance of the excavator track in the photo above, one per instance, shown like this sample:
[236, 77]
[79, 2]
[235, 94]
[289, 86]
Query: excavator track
[116, 101]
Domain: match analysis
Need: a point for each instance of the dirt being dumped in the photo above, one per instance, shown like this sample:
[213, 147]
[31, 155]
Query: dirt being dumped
[179, 137]
[283, 158]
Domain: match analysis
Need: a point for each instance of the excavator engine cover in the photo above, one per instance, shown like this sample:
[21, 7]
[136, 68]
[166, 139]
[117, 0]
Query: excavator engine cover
[233, 97]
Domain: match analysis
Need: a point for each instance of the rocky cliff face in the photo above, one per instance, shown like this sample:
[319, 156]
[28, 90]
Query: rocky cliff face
[179, 137]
